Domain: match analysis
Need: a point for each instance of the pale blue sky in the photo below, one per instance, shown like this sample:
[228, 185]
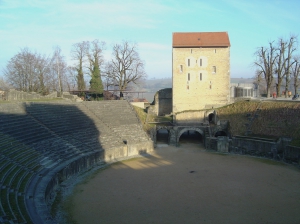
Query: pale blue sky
[42, 24]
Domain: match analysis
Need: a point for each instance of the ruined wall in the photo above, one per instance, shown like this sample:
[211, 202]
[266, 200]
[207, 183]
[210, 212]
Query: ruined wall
[201, 78]
[13, 94]
[162, 104]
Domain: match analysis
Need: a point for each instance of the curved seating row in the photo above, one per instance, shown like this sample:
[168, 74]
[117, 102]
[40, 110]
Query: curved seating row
[38, 136]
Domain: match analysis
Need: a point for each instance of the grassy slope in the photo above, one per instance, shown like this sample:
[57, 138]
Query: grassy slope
[275, 118]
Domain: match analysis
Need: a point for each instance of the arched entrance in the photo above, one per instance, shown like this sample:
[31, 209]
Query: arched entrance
[190, 135]
[162, 136]
[220, 133]
[211, 118]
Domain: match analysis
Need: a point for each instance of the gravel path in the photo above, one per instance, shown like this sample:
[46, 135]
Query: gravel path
[189, 185]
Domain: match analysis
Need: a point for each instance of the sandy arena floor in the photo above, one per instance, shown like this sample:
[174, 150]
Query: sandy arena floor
[189, 185]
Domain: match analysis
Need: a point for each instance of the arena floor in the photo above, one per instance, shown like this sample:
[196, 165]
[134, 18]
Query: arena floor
[189, 185]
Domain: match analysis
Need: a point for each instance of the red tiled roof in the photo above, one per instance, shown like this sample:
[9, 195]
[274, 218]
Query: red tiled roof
[201, 39]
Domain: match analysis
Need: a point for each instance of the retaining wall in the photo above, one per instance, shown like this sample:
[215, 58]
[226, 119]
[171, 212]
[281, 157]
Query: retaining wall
[13, 95]
[48, 180]
[278, 149]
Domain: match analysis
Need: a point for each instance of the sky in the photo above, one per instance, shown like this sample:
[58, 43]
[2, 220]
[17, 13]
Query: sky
[41, 25]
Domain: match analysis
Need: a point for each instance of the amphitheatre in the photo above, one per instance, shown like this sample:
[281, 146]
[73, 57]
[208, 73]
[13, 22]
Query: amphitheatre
[197, 154]
[44, 143]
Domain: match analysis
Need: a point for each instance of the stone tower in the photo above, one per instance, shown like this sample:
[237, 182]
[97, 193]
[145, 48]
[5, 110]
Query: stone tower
[201, 74]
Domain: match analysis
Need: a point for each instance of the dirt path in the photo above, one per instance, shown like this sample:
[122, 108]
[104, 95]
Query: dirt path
[189, 185]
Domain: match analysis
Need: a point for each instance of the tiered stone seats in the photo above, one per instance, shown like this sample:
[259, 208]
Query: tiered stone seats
[36, 137]
[120, 118]
[18, 164]
[66, 121]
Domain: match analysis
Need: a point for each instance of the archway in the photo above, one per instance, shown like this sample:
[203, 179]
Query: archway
[220, 133]
[211, 118]
[190, 135]
[162, 136]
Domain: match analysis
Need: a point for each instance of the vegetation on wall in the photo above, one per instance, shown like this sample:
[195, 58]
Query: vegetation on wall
[274, 119]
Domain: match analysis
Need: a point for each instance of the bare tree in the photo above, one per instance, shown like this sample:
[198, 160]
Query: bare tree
[26, 71]
[295, 75]
[265, 61]
[280, 63]
[259, 82]
[79, 53]
[291, 48]
[3, 84]
[59, 70]
[71, 78]
[126, 66]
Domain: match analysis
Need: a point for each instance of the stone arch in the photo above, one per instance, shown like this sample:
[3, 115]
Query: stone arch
[220, 133]
[189, 129]
[164, 135]
[211, 117]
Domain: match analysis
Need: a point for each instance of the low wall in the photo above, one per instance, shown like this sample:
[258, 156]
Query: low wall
[72, 97]
[13, 94]
[292, 154]
[268, 148]
[256, 147]
[139, 104]
[41, 191]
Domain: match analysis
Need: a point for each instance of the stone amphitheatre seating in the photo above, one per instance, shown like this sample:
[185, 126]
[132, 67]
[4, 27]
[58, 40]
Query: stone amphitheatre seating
[43, 143]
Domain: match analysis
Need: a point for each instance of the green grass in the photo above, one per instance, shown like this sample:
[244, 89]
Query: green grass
[295, 142]
[142, 114]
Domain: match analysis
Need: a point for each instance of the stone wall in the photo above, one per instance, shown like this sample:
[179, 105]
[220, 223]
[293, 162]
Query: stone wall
[256, 146]
[162, 104]
[13, 95]
[196, 85]
[267, 148]
[292, 154]
[54, 178]
[142, 105]
[72, 97]
[189, 117]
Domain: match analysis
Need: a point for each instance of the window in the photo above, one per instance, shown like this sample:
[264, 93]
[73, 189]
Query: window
[200, 77]
[189, 62]
[200, 61]
[189, 76]
[181, 68]
[214, 69]
[191, 51]
[215, 50]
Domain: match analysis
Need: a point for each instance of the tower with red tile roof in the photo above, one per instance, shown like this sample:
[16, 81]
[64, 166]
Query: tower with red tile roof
[201, 73]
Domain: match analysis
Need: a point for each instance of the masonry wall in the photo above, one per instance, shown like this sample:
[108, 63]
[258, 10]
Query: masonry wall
[190, 117]
[13, 94]
[196, 85]
[162, 102]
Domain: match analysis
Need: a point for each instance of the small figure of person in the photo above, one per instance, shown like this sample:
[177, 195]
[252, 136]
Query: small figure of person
[289, 93]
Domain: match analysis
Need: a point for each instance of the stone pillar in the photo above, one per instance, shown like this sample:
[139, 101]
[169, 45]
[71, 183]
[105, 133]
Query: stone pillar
[173, 136]
[223, 144]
